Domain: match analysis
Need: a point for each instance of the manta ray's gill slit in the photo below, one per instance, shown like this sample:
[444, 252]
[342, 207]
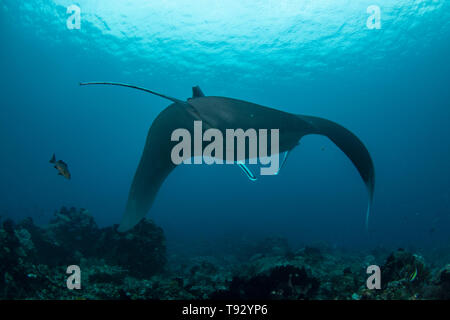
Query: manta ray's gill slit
[247, 171]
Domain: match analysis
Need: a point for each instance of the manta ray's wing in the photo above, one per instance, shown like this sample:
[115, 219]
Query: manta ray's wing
[155, 164]
[352, 147]
[219, 112]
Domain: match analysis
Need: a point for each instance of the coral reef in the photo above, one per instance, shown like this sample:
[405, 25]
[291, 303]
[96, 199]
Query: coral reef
[135, 265]
[141, 251]
[33, 260]
[281, 282]
[404, 276]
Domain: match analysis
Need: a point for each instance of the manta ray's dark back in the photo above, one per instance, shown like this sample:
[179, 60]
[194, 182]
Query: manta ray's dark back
[226, 113]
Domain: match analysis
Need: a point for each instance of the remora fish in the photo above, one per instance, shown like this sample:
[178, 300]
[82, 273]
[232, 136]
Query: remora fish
[223, 113]
[61, 166]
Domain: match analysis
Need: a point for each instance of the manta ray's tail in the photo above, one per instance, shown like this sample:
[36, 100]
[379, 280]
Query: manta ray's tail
[352, 147]
[133, 87]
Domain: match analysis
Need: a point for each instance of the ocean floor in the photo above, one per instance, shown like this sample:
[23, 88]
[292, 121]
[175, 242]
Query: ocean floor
[138, 265]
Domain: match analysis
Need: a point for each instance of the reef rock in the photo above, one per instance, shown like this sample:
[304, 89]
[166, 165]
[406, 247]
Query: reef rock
[404, 276]
[281, 282]
[403, 265]
[33, 260]
[75, 229]
[142, 250]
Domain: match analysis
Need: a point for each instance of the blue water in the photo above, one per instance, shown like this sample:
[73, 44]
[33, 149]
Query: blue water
[390, 86]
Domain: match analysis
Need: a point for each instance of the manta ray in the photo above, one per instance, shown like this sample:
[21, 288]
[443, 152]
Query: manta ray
[223, 113]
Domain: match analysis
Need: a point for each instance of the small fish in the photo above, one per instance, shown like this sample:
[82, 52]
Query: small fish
[61, 166]
[413, 276]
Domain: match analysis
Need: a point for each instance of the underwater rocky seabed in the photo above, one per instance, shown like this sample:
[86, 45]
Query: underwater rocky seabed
[135, 265]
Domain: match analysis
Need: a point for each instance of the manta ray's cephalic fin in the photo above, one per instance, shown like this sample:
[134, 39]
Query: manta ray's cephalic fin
[134, 87]
[247, 171]
[352, 147]
[285, 156]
